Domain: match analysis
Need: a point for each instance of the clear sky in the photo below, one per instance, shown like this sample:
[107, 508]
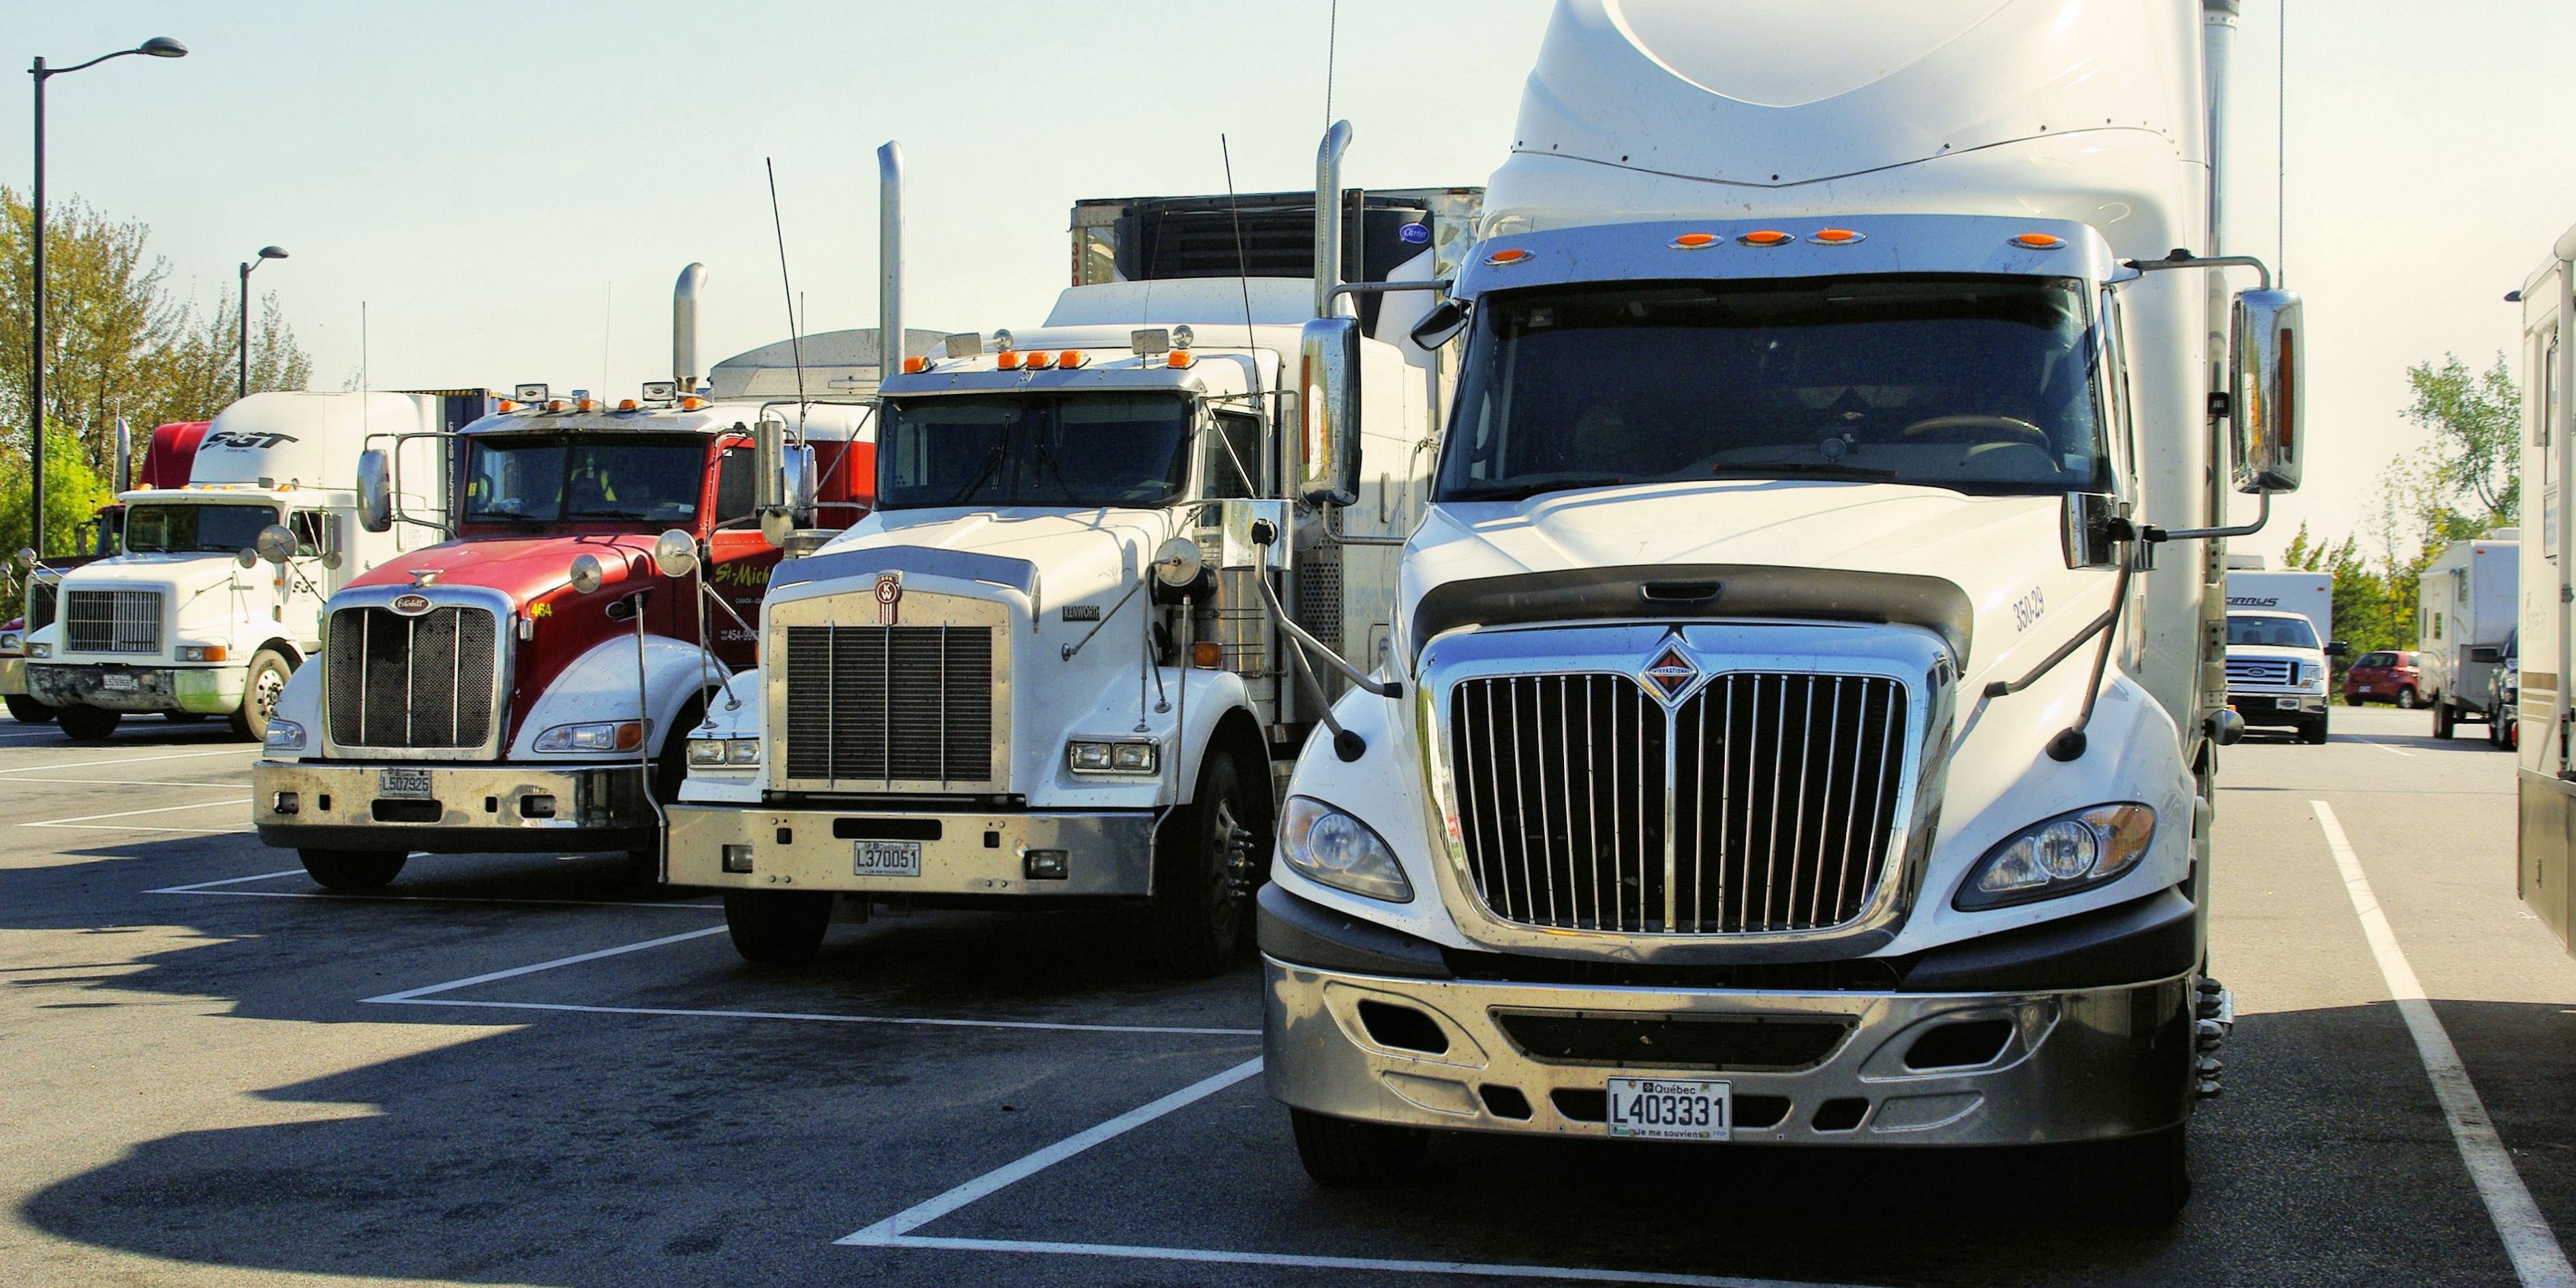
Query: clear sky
[512, 187]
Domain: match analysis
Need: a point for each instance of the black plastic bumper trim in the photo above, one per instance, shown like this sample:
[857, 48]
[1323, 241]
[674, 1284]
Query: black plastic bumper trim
[2131, 943]
[1301, 933]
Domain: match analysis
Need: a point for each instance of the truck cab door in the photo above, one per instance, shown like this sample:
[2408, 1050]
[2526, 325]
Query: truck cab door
[306, 582]
[739, 559]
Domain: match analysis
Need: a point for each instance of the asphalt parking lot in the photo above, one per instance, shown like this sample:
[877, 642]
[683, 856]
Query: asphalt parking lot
[529, 1071]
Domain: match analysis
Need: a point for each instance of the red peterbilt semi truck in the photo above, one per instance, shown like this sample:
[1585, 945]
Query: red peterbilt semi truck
[481, 694]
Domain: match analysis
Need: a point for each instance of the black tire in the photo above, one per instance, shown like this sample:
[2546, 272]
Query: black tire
[352, 870]
[777, 927]
[2313, 732]
[1344, 1155]
[260, 688]
[2352, 699]
[2444, 719]
[2140, 1181]
[26, 710]
[87, 724]
[2407, 700]
[1209, 858]
[185, 717]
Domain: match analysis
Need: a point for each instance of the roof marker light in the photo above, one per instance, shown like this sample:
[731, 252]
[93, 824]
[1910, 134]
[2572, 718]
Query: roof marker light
[692, 402]
[1694, 241]
[1766, 237]
[1835, 237]
[1007, 360]
[506, 405]
[1509, 256]
[1038, 360]
[554, 404]
[915, 365]
[1070, 359]
[2039, 241]
[626, 404]
[587, 404]
[1181, 358]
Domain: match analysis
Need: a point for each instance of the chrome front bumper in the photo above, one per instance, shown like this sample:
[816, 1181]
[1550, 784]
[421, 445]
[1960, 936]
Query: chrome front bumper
[141, 687]
[2081, 1065]
[471, 808]
[961, 854]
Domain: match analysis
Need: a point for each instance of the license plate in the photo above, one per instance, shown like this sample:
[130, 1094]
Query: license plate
[118, 682]
[1669, 1109]
[2286, 704]
[886, 858]
[403, 784]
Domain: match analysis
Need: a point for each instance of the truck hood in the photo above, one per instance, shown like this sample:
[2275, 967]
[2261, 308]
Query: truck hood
[2003, 553]
[180, 574]
[523, 568]
[1077, 555]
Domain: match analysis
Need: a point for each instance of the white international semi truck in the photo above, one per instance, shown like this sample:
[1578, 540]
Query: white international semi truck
[1811, 662]
[2545, 773]
[216, 595]
[1044, 671]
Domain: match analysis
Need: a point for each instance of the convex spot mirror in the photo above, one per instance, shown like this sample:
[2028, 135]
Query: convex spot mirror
[375, 491]
[1328, 352]
[275, 543]
[586, 573]
[1440, 324]
[675, 553]
[2266, 391]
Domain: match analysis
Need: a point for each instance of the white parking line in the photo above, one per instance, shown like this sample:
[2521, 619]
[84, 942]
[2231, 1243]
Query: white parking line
[896, 1231]
[516, 971]
[2394, 751]
[227, 881]
[135, 813]
[130, 760]
[816, 1016]
[2537, 1259]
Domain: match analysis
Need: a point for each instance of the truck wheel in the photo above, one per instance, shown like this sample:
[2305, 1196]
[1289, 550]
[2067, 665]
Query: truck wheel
[1344, 1155]
[267, 679]
[1208, 859]
[2443, 718]
[2313, 733]
[2352, 699]
[26, 710]
[2141, 1181]
[777, 927]
[87, 724]
[352, 869]
[2406, 699]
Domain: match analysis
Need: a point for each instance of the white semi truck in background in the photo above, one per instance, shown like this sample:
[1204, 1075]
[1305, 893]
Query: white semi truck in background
[205, 611]
[1807, 681]
[1044, 670]
[2466, 610]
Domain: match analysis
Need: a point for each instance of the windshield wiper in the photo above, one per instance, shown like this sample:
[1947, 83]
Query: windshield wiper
[1820, 469]
[499, 516]
[1529, 487]
[609, 514]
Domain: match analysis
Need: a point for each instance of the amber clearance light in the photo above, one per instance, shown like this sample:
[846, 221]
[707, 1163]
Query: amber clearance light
[1835, 237]
[1507, 257]
[2039, 241]
[1766, 237]
[1694, 241]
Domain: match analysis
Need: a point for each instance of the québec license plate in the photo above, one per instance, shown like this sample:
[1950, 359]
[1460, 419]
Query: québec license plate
[886, 858]
[117, 681]
[403, 784]
[1670, 1109]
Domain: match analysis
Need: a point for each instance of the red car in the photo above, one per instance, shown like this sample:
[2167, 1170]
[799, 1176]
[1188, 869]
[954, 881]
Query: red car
[2384, 677]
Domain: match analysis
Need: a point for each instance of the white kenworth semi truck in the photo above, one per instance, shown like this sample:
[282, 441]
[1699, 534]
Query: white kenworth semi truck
[1044, 671]
[217, 594]
[1805, 735]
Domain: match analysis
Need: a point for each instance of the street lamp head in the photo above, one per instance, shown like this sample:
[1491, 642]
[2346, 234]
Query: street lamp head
[162, 47]
[272, 252]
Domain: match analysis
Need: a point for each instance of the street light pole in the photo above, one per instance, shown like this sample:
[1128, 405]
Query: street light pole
[266, 253]
[157, 47]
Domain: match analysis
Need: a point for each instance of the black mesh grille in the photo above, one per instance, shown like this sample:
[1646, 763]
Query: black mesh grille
[40, 604]
[890, 704]
[422, 682]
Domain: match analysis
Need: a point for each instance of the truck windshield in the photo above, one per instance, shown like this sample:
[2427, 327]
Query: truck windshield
[584, 479]
[1082, 451]
[195, 529]
[2271, 632]
[1978, 384]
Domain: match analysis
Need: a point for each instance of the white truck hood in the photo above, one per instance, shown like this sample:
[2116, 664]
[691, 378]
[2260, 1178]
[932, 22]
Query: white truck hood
[1078, 555]
[181, 575]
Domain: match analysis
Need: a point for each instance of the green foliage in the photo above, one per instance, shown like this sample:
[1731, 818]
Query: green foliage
[2477, 434]
[73, 493]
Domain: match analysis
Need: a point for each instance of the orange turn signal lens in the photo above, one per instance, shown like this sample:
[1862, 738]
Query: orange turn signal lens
[1071, 358]
[915, 365]
[630, 736]
[625, 404]
[1835, 237]
[1506, 258]
[1038, 360]
[692, 403]
[1693, 241]
[507, 405]
[1766, 237]
[1180, 358]
[1207, 655]
[2039, 241]
[587, 404]
[1007, 360]
[554, 404]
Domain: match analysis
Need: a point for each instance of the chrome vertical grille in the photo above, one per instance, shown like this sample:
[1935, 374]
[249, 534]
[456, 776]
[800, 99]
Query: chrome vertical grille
[112, 621]
[886, 704]
[1763, 802]
[429, 681]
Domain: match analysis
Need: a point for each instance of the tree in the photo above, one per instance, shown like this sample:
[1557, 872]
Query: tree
[2477, 435]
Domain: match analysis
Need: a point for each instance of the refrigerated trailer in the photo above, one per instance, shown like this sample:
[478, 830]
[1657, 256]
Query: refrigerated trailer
[1805, 703]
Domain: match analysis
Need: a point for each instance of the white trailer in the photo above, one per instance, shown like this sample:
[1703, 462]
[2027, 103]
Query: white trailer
[2545, 644]
[2466, 609]
[1811, 665]
[2308, 594]
[217, 595]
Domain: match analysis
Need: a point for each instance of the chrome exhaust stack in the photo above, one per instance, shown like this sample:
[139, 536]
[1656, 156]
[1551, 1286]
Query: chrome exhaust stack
[684, 327]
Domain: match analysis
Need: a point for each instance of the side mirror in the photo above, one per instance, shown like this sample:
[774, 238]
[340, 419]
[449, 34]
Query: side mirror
[248, 558]
[2337, 648]
[675, 553]
[275, 543]
[1328, 352]
[375, 491]
[2085, 530]
[799, 477]
[586, 573]
[2265, 396]
[1441, 323]
[777, 525]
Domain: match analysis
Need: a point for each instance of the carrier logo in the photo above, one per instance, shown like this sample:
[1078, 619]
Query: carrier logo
[1670, 673]
[238, 438]
[2253, 601]
[411, 605]
[889, 597]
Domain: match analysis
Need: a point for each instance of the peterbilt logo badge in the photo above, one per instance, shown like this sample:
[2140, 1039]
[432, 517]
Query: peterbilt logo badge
[1670, 673]
[411, 605]
[889, 597]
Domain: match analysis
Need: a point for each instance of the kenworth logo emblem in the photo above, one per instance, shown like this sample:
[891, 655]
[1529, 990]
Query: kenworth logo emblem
[1671, 673]
[411, 605]
[889, 597]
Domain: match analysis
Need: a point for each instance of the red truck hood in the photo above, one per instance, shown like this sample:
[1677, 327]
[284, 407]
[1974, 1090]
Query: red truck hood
[524, 568]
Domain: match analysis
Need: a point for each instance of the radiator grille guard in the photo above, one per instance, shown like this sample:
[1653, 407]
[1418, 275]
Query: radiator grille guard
[1697, 792]
[417, 682]
[921, 704]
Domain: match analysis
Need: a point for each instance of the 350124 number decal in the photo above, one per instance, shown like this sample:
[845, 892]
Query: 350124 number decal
[2029, 608]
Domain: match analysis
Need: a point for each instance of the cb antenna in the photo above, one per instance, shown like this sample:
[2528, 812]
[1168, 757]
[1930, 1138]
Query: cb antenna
[795, 338]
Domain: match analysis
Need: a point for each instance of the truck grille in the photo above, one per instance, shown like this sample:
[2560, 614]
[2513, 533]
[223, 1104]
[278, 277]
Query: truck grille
[1764, 802]
[112, 621]
[2259, 670]
[40, 603]
[887, 704]
[425, 682]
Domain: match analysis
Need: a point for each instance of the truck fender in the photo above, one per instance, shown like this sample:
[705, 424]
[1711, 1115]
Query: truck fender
[301, 702]
[1383, 789]
[1218, 714]
[600, 685]
[736, 721]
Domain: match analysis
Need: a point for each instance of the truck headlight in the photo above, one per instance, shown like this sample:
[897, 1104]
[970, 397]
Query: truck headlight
[716, 753]
[283, 735]
[1084, 756]
[10, 642]
[1340, 851]
[2059, 856]
[202, 653]
[605, 735]
[40, 650]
